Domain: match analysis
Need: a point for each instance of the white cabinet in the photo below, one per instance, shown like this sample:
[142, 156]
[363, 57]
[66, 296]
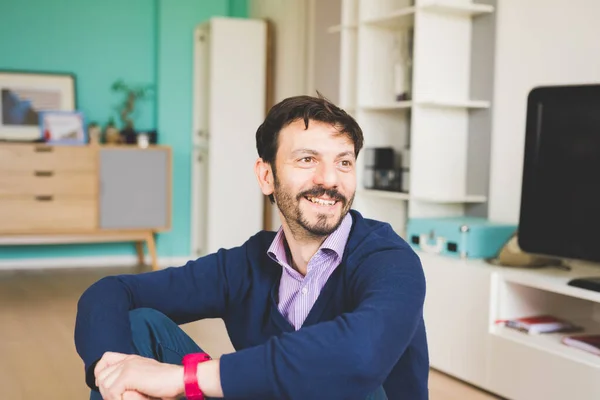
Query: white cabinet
[230, 59]
[464, 300]
[526, 366]
[457, 312]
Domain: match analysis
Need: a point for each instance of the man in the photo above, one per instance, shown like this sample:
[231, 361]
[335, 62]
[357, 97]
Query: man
[329, 307]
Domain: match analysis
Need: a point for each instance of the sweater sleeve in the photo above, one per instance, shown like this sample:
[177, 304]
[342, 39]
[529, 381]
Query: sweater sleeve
[347, 357]
[199, 289]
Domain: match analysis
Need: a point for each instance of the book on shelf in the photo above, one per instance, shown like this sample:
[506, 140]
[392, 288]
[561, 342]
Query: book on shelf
[589, 343]
[539, 324]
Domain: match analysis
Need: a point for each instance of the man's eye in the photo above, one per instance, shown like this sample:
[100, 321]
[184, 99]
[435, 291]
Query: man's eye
[306, 159]
[346, 163]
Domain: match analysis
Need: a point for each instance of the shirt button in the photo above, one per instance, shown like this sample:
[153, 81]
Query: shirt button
[304, 290]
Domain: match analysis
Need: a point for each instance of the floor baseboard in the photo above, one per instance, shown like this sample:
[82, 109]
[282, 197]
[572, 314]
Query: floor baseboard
[86, 262]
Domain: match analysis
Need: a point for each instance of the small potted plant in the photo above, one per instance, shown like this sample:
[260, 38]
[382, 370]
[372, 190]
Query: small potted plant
[133, 95]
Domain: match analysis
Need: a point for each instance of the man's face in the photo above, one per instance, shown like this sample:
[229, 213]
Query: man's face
[315, 177]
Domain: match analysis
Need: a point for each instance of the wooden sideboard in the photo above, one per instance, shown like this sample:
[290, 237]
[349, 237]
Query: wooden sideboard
[84, 194]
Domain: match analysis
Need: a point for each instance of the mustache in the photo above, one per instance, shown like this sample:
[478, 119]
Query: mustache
[320, 191]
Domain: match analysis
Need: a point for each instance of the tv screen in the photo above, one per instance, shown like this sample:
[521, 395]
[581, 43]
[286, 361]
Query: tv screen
[560, 203]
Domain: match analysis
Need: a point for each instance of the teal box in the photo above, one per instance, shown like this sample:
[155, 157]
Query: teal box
[464, 237]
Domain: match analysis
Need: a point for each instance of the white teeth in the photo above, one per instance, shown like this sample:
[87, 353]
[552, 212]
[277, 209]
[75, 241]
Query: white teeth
[321, 201]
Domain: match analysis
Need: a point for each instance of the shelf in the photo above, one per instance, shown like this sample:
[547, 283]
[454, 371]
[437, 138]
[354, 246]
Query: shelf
[451, 200]
[474, 104]
[551, 342]
[555, 280]
[384, 194]
[404, 17]
[465, 10]
[401, 18]
[397, 105]
[339, 28]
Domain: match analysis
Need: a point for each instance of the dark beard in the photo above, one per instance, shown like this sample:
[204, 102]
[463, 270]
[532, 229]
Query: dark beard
[299, 225]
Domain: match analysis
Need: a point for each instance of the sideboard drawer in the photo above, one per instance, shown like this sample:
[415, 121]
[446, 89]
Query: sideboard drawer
[49, 183]
[45, 213]
[31, 157]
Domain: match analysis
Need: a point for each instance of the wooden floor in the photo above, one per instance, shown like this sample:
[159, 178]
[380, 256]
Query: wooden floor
[37, 355]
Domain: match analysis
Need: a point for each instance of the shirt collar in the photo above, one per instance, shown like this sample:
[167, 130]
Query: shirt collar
[335, 243]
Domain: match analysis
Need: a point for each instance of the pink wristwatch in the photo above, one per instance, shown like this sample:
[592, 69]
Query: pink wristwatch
[190, 376]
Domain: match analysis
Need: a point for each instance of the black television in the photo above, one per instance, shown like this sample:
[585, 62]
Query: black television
[560, 200]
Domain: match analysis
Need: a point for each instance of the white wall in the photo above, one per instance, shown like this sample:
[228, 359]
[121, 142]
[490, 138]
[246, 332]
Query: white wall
[289, 20]
[538, 42]
[324, 68]
[292, 50]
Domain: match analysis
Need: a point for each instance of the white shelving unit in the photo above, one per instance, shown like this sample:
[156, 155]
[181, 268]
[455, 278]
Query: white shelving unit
[394, 19]
[463, 8]
[429, 44]
[389, 106]
[544, 361]
[466, 298]
[384, 194]
[454, 104]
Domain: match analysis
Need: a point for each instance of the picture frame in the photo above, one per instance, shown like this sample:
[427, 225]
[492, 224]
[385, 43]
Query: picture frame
[24, 95]
[63, 127]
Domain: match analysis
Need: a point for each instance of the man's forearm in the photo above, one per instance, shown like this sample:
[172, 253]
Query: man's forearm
[209, 378]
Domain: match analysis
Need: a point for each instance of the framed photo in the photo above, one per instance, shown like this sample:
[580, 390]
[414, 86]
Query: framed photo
[63, 127]
[24, 95]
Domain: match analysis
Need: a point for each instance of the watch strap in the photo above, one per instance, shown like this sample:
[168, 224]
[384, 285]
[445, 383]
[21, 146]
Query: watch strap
[190, 375]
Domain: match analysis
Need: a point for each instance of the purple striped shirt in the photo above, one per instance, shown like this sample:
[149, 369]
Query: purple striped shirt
[297, 293]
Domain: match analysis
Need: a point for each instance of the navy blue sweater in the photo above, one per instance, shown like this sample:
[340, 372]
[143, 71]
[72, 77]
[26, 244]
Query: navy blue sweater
[365, 329]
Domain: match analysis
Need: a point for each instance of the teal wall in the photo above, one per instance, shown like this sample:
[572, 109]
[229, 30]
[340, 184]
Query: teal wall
[238, 8]
[140, 41]
[89, 38]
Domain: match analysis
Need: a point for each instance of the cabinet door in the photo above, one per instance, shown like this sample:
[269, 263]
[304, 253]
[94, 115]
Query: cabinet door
[134, 188]
[457, 316]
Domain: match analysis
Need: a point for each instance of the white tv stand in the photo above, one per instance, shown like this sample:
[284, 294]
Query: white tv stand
[466, 297]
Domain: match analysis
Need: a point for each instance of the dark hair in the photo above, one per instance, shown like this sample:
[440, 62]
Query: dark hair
[306, 108]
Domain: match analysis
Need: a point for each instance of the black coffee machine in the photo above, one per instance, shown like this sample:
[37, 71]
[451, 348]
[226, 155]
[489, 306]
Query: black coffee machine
[383, 170]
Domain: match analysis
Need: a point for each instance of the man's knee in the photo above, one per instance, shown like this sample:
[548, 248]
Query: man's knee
[149, 328]
[144, 317]
[154, 335]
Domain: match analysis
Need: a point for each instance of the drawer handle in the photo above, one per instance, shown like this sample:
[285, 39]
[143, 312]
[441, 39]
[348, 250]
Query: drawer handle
[43, 149]
[43, 173]
[44, 198]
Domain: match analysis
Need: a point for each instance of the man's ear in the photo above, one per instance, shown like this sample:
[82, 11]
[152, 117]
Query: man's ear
[264, 175]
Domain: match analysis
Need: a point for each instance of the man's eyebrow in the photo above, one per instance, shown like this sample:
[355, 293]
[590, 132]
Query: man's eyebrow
[346, 153]
[316, 153]
[305, 151]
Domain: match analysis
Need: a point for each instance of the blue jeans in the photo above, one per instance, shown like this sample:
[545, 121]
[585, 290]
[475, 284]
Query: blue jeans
[158, 337]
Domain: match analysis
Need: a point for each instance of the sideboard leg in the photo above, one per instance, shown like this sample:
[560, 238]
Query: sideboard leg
[139, 247]
[152, 250]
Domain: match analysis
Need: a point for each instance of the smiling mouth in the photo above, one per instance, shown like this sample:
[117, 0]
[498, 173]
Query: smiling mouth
[322, 202]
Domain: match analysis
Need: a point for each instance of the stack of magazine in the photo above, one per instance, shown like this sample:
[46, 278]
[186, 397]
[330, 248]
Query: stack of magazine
[540, 324]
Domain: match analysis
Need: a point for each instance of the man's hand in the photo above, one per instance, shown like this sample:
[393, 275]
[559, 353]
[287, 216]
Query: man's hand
[122, 376]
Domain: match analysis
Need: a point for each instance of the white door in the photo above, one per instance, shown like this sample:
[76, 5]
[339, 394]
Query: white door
[229, 107]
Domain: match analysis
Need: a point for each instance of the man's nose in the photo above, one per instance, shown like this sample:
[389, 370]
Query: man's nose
[326, 175]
